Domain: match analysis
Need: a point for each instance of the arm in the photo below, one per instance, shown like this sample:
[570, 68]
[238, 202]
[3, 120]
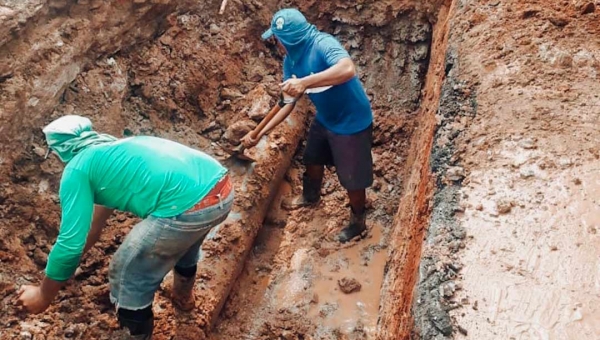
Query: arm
[101, 214]
[337, 74]
[77, 205]
[340, 68]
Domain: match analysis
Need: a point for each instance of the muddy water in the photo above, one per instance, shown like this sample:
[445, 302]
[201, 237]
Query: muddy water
[295, 270]
[317, 279]
[365, 261]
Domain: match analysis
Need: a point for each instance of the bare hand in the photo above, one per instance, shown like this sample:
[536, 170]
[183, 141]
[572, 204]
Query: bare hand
[293, 86]
[248, 141]
[32, 298]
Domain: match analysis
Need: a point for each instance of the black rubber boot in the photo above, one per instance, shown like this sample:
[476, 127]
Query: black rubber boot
[311, 194]
[356, 227]
[183, 291]
[140, 323]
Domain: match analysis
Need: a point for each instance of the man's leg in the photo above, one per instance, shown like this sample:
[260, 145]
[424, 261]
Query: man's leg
[147, 254]
[134, 303]
[184, 277]
[316, 155]
[315, 172]
[354, 167]
[140, 323]
[358, 200]
[184, 273]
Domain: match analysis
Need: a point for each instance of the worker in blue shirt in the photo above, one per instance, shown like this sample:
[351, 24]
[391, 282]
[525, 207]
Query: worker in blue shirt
[341, 133]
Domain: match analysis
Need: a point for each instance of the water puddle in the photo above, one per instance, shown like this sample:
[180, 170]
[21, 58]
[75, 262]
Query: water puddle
[335, 309]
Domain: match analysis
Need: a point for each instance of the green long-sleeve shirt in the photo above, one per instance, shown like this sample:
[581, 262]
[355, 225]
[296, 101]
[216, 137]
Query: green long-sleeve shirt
[142, 175]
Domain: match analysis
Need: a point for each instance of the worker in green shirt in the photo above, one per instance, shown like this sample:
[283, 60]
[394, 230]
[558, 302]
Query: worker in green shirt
[180, 193]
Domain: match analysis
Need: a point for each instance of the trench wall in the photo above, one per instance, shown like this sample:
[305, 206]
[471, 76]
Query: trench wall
[196, 77]
[412, 218]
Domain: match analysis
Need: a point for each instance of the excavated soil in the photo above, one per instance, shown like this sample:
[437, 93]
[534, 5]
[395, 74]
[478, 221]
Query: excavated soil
[485, 146]
[203, 79]
[199, 80]
[512, 250]
[295, 279]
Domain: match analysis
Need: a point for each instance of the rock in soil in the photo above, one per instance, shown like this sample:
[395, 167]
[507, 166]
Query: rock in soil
[590, 7]
[503, 206]
[237, 130]
[349, 285]
[441, 321]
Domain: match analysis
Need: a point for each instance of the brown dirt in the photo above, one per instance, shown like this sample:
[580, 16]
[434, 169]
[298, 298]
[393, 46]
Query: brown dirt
[412, 218]
[349, 285]
[304, 263]
[540, 257]
[511, 244]
[190, 93]
[486, 144]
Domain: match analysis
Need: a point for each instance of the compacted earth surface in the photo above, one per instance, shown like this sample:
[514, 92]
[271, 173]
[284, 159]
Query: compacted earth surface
[483, 220]
[512, 249]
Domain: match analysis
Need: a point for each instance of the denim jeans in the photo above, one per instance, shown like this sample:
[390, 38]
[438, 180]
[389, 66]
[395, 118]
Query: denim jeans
[153, 247]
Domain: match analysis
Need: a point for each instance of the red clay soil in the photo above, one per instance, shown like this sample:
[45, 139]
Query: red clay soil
[194, 83]
[189, 93]
[531, 160]
[498, 98]
[512, 250]
[289, 287]
[412, 218]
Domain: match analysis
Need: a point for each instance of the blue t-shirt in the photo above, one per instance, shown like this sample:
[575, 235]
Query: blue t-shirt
[343, 109]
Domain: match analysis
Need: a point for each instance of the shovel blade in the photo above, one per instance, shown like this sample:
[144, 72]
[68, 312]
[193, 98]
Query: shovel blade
[236, 165]
[237, 154]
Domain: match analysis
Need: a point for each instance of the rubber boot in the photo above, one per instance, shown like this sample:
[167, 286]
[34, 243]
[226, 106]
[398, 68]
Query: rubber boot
[356, 227]
[183, 292]
[311, 194]
[138, 329]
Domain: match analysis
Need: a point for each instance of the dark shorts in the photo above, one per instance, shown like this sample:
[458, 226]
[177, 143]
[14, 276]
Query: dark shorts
[350, 154]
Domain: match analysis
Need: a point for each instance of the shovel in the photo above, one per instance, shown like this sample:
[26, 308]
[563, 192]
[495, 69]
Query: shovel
[237, 153]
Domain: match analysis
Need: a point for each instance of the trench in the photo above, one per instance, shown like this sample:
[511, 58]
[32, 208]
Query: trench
[266, 273]
[291, 285]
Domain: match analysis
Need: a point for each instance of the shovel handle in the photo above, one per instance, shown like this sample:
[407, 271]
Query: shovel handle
[265, 121]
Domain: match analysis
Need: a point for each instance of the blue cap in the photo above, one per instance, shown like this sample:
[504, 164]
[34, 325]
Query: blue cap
[285, 21]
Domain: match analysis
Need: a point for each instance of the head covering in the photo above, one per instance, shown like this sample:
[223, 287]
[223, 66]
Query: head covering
[293, 31]
[69, 135]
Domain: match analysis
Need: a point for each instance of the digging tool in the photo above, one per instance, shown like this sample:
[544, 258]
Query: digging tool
[238, 151]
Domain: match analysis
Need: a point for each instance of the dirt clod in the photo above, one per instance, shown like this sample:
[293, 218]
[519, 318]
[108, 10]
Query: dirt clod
[237, 130]
[559, 21]
[503, 206]
[447, 289]
[588, 8]
[455, 173]
[441, 321]
[528, 143]
[349, 285]
[25, 335]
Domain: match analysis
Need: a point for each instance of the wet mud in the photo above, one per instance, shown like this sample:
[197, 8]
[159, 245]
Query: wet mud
[511, 244]
[485, 151]
[313, 287]
[173, 87]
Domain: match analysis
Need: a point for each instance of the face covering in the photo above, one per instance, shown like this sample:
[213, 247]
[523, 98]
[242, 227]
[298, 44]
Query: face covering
[293, 31]
[71, 134]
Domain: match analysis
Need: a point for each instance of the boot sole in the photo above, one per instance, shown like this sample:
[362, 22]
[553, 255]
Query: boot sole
[360, 236]
[292, 207]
